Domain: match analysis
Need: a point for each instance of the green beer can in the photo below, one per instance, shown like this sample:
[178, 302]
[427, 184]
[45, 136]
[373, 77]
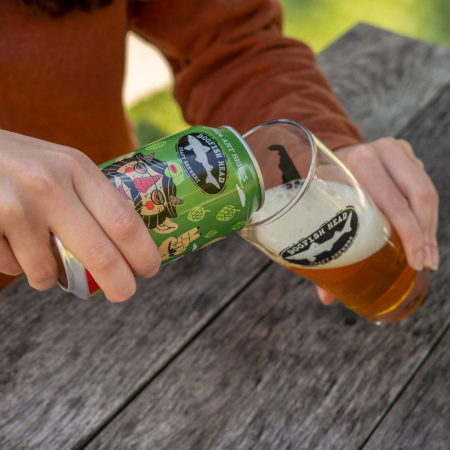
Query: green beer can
[191, 189]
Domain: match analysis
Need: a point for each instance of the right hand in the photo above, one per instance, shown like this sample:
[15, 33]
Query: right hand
[399, 185]
[47, 188]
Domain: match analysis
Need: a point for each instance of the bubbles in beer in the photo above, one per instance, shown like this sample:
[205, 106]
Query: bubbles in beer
[311, 216]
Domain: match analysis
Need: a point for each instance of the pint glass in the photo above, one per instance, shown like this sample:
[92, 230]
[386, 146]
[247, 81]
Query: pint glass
[318, 222]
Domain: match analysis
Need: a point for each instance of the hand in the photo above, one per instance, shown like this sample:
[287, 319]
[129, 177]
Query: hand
[176, 245]
[397, 182]
[47, 188]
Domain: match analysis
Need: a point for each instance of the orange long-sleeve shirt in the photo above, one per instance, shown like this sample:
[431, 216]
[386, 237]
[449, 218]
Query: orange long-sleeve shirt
[61, 79]
[233, 66]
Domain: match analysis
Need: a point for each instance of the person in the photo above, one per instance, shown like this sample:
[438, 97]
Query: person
[61, 72]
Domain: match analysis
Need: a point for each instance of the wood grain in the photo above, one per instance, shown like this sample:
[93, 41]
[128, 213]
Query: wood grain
[420, 419]
[276, 369]
[279, 371]
[383, 79]
[67, 366]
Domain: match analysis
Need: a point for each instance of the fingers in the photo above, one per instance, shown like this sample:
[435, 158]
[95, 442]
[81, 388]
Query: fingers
[33, 255]
[60, 190]
[117, 217]
[325, 297]
[368, 167]
[433, 223]
[409, 152]
[188, 237]
[165, 248]
[8, 262]
[415, 185]
[84, 238]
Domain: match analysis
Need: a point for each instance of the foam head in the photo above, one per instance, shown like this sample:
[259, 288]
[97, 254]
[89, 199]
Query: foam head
[333, 225]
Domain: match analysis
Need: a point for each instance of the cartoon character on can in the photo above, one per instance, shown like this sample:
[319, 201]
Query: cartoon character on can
[202, 176]
[151, 186]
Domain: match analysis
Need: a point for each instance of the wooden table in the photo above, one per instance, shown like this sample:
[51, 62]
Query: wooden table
[226, 350]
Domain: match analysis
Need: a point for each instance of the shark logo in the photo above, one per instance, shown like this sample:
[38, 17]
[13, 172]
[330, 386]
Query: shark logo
[327, 243]
[204, 162]
[200, 156]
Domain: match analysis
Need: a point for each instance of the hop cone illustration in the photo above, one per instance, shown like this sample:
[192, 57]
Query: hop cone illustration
[239, 225]
[197, 214]
[226, 213]
[210, 234]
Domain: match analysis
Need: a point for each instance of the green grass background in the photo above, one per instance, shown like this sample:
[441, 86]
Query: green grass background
[318, 23]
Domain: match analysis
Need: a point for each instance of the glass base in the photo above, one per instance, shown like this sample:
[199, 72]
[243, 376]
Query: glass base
[415, 297]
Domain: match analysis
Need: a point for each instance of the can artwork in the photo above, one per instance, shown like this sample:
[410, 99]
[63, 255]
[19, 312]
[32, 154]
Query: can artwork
[191, 189]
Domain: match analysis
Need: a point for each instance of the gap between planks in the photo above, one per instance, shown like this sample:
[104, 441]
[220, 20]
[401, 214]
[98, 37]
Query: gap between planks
[401, 392]
[419, 113]
[170, 360]
[216, 315]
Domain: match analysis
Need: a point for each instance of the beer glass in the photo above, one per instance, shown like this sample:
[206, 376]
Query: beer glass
[318, 222]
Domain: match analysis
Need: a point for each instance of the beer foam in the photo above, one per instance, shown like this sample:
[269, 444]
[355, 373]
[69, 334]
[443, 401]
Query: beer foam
[320, 203]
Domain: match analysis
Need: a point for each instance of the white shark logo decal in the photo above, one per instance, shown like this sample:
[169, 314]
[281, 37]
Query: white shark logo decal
[327, 243]
[317, 249]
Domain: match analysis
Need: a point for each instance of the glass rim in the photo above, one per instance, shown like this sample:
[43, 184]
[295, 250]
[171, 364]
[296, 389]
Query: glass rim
[312, 169]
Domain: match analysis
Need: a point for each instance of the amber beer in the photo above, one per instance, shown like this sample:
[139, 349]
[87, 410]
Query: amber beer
[352, 252]
[370, 287]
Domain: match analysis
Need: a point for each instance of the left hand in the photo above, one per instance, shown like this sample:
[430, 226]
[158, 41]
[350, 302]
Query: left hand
[397, 182]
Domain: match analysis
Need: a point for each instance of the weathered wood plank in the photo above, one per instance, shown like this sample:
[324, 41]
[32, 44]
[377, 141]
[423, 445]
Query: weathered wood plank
[382, 78]
[279, 371]
[67, 366]
[421, 417]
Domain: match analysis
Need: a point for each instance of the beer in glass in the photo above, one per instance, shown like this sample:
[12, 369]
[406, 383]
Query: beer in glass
[318, 222]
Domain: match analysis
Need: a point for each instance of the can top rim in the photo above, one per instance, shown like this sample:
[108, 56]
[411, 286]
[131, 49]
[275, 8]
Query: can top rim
[255, 164]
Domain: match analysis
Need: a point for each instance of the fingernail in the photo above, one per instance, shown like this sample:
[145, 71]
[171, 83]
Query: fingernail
[428, 260]
[320, 294]
[325, 297]
[435, 258]
[418, 261]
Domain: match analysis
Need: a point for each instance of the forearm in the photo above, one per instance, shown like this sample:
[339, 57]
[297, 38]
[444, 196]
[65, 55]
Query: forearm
[234, 67]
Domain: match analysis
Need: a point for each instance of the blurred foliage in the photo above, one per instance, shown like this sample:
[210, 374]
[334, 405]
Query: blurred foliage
[156, 116]
[318, 23]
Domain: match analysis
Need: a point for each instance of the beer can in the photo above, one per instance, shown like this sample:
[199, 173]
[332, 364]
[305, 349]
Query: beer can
[191, 189]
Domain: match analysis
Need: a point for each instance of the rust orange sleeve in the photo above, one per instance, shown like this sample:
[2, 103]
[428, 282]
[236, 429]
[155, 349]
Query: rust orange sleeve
[233, 66]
